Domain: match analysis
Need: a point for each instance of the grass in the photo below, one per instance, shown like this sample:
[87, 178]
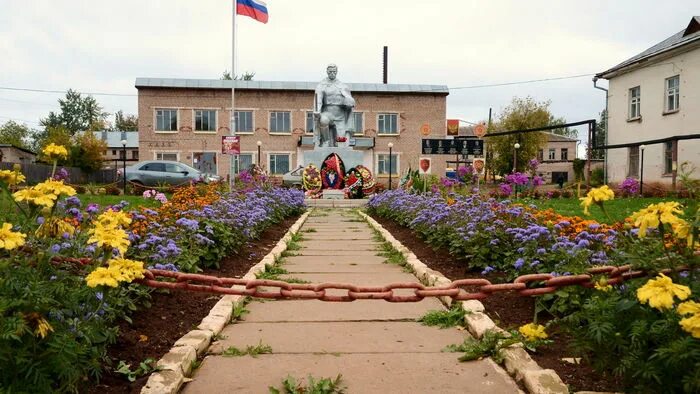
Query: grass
[309, 230]
[618, 209]
[444, 318]
[239, 310]
[250, 350]
[313, 386]
[273, 272]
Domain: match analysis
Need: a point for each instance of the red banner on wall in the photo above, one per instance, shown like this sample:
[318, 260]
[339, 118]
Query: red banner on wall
[231, 145]
[453, 127]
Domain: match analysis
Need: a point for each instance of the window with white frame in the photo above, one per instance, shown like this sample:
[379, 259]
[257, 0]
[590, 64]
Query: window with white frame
[242, 162]
[564, 153]
[388, 124]
[635, 99]
[633, 161]
[279, 163]
[673, 93]
[280, 122]
[166, 156]
[540, 155]
[357, 126]
[552, 154]
[309, 122]
[669, 153]
[166, 119]
[243, 121]
[386, 164]
[204, 120]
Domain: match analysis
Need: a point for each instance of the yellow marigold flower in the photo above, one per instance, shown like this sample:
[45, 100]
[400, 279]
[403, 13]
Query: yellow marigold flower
[55, 152]
[35, 197]
[659, 292]
[54, 228]
[112, 218]
[9, 239]
[128, 269]
[43, 328]
[596, 196]
[55, 187]
[533, 331]
[683, 230]
[690, 324]
[103, 276]
[11, 177]
[110, 237]
[602, 285]
[655, 214]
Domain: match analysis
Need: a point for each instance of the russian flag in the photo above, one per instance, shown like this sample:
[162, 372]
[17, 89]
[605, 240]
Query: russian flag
[255, 9]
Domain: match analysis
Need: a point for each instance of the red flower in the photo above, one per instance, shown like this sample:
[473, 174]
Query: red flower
[341, 139]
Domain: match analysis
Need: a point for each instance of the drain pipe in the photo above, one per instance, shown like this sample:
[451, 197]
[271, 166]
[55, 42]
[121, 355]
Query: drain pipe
[607, 130]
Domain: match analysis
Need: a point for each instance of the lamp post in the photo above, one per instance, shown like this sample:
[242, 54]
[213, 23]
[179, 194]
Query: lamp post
[516, 146]
[124, 165]
[391, 146]
[641, 169]
[259, 145]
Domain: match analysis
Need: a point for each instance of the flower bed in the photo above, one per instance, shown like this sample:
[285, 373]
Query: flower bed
[501, 240]
[66, 268]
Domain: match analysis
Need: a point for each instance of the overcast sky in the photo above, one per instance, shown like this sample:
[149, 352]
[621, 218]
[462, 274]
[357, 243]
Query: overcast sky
[102, 46]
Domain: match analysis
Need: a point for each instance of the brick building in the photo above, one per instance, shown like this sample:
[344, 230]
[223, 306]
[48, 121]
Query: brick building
[184, 120]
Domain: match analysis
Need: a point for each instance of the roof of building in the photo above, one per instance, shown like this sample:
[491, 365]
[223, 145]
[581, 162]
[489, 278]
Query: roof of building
[114, 138]
[284, 85]
[16, 147]
[551, 137]
[684, 37]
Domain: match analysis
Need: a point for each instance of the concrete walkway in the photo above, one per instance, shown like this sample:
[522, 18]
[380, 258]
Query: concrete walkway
[377, 346]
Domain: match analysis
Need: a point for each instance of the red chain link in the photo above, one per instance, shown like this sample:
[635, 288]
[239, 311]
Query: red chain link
[458, 290]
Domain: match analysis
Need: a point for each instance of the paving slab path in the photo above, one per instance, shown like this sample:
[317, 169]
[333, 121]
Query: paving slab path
[377, 346]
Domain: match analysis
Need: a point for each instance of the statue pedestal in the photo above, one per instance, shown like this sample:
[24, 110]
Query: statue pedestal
[351, 158]
[333, 194]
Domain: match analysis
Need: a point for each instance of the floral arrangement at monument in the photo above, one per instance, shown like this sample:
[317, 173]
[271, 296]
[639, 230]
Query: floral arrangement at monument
[333, 172]
[353, 184]
[368, 181]
[311, 180]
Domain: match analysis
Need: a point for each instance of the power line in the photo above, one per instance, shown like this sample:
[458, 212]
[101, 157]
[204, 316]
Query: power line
[522, 82]
[65, 91]
[20, 120]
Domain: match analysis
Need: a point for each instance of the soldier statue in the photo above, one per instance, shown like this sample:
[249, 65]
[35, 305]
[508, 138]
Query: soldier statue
[333, 106]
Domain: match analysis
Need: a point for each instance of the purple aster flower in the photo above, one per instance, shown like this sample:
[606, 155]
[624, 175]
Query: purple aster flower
[92, 208]
[487, 270]
[55, 248]
[519, 263]
[40, 220]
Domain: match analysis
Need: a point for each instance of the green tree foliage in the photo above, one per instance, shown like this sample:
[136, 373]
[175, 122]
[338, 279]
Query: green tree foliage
[87, 152]
[125, 122]
[58, 135]
[78, 113]
[15, 134]
[601, 131]
[246, 76]
[564, 131]
[522, 113]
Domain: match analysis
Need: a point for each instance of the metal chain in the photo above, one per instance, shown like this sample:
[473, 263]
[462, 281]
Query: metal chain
[458, 290]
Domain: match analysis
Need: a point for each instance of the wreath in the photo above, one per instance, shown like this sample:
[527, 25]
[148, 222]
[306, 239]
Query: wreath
[368, 181]
[332, 172]
[353, 184]
[311, 178]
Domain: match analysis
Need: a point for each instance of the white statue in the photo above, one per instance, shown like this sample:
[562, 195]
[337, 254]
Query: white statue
[333, 106]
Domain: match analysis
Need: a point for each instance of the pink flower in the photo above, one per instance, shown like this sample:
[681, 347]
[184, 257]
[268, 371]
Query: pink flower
[161, 197]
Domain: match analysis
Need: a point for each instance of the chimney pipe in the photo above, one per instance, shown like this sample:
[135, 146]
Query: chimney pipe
[386, 64]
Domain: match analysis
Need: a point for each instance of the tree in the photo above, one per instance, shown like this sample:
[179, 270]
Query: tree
[520, 114]
[77, 113]
[564, 131]
[15, 134]
[58, 135]
[601, 131]
[125, 122]
[87, 152]
[247, 76]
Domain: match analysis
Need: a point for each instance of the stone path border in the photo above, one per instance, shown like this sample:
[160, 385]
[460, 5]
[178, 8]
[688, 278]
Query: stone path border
[176, 365]
[517, 361]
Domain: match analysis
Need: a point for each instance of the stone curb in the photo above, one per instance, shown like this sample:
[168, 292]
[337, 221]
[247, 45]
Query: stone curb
[517, 361]
[176, 365]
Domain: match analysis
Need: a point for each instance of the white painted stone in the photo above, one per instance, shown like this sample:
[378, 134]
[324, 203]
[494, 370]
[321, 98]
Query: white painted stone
[478, 323]
[517, 361]
[544, 381]
[179, 359]
[197, 339]
[163, 382]
[473, 306]
[214, 323]
[223, 310]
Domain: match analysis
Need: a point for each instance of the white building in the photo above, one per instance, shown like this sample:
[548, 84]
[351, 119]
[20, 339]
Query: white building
[654, 108]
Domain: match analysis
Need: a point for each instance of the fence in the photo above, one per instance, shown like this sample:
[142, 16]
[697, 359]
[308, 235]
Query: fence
[36, 173]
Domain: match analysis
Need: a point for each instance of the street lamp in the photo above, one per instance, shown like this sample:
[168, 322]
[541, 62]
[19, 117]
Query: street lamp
[391, 146]
[124, 165]
[641, 170]
[259, 145]
[515, 156]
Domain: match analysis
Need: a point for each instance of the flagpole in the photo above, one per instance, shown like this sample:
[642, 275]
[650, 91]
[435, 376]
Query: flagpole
[233, 76]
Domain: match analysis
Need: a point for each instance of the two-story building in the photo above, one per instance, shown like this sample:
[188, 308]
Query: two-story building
[557, 158]
[185, 120]
[121, 146]
[654, 109]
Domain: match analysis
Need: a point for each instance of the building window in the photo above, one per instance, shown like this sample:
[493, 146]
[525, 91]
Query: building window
[243, 121]
[552, 154]
[635, 96]
[122, 155]
[135, 154]
[242, 162]
[280, 122]
[279, 163]
[309, 122]
[166, 120]
[205, 162]
[204, 120]
[166, 156]
[673, 90]
[565, 153]
[669, 154]
[383, 164]
[633, 161]
[540, 155]
[388, 124]
[357, 127]
[114, 152]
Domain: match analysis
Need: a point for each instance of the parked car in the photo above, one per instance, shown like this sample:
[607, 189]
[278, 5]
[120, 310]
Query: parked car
[293, 178]
[163, 172]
